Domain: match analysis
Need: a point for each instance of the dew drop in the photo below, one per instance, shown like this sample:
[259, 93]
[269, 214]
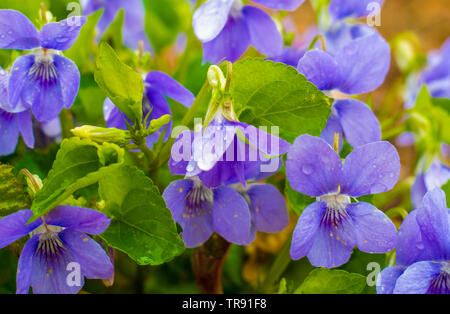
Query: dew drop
[190, 167]
[307, 169]
[377, 188]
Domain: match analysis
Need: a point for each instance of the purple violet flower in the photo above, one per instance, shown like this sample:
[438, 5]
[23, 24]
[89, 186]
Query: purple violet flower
[267, 208]
[328, 229]
[44, 80]
[436, 76]
[353, 120]
[423, 251]
[436, 176]
[134, 23]
[54, 244]
[201, 211]
[157, 86]
[217, 156]
[13, 123]
[342, 9]
[235, 216]
[291, 55]
[227, 28]
[357, 63]
[357, 60]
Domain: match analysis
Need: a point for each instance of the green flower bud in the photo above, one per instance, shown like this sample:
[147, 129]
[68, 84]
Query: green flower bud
[102, 135]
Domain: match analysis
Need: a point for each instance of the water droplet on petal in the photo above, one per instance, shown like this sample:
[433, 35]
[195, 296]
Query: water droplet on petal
[377, 188]
[307, 169]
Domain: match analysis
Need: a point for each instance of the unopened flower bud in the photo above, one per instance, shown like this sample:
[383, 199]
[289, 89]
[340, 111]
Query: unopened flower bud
[102, 135]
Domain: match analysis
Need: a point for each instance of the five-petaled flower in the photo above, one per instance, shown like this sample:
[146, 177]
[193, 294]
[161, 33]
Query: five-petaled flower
[347, 66]
[227, 28]
[57, 240]
[44, 80]
[328, 229]
[423, 251]
[236, 216]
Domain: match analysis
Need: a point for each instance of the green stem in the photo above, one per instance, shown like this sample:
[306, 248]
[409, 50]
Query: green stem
[394, 132]
[147, 152]
[396, 211]
[278, 267]
[66, 123]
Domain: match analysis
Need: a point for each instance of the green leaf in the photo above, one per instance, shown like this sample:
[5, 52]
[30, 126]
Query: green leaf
[76, 166]
[332, 281]
[286, 286]
[123, 86]
[165, 20]
[443, 103]
[429, 119]
[12, 195]
[142, 225]
[274, 94]
[362, 263]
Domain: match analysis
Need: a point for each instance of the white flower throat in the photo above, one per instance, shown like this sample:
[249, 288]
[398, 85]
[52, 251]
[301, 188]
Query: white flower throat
[50, 245]
[43, 68]
[336, 211]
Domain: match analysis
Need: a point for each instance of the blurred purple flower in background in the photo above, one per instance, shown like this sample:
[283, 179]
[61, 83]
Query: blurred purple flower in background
[342, 9]
[56, 241]
[44, 80]
[134, 23]
[157, 85]
[423, 251]
[227, 28]
[290, 55]
[436, 76]
[436, 176]
[328, 229]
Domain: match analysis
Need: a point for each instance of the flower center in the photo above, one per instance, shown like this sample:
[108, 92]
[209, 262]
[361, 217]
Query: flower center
[336, 211]
[43, 68]
[198, 201]
[50, 244]
[335, 201]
